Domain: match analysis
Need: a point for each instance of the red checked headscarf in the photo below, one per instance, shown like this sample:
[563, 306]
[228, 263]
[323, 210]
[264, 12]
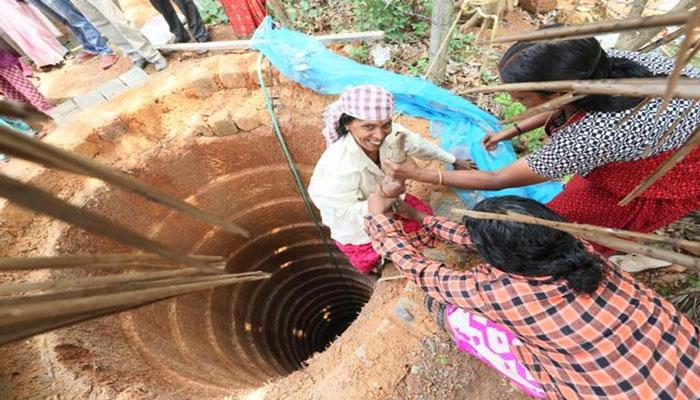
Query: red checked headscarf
[365, 102]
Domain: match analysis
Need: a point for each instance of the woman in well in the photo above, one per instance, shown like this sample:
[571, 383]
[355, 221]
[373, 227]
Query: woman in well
[590, 139]
[544, 309]
[359, 132]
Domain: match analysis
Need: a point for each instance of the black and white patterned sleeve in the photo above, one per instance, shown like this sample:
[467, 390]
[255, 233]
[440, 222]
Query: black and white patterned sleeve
[656, 63]
[565, 154]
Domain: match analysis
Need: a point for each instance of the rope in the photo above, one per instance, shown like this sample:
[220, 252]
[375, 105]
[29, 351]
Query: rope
[293, 168]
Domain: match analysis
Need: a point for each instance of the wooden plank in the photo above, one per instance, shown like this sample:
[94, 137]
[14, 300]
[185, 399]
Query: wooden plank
[245, 44]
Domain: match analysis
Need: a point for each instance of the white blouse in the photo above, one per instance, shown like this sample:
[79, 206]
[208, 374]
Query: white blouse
[344, 176]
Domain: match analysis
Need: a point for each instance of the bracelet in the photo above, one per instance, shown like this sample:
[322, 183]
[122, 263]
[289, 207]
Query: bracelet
[439, 177]
[517, 129]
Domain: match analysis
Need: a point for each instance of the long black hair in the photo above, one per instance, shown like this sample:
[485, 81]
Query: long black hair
[533, 250]
[575, 59]
[342, 122]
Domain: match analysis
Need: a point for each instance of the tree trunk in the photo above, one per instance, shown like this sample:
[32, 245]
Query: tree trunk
[634, 40]
[442, 18]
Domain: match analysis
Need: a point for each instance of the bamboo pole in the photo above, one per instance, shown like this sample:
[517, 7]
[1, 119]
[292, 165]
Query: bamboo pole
[246, 44]
[22, 111]
[546, 106]
[663, 40]
[635, 87]
[15, 144]
[42, 202]
[20, 313]
[578, 31]
[586, 230]
[71, 284]
[685, 53]
[671, 162]
[667, 133]
[101, 260]
[632, 113]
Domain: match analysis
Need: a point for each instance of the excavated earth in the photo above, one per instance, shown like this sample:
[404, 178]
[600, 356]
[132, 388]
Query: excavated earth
[201, 133]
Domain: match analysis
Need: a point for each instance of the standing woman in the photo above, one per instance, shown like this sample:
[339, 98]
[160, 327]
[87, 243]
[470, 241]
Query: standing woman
[359, 132]
[30, 34]
[584, 140]
[14, 84]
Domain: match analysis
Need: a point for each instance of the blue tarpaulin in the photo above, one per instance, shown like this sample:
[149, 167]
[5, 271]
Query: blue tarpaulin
[458, 124]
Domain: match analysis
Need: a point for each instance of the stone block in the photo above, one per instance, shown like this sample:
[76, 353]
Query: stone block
[543, 7]
[222, 123]
[89, 99]
[111, 131]
[134, 77]
[203, 85]
[197, 126]
[63, 112]
[233, 74]
[112, 89]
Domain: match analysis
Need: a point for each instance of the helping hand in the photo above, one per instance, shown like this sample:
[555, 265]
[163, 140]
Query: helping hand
[490, 141]
[404, 170]
[378, 204]
[464, 165]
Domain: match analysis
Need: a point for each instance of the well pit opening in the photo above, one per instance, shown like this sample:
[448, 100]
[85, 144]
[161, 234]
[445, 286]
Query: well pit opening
[201, 133]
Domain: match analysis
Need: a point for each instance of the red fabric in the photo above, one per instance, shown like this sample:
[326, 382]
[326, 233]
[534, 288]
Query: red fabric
[593, 199]
[244, 15]
[15, 86]
[363, 258]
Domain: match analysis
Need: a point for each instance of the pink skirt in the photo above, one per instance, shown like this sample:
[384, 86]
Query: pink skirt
[363, 257]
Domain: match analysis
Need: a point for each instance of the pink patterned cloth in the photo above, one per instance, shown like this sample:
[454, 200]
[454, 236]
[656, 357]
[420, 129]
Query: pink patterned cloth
[16, 87]
[366, 102]
[491, 343]
[363, 258]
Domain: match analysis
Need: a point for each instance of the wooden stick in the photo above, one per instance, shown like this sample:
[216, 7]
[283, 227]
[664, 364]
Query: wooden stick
[677, 157]
[43, 202]
[663, 40]
[580, 229]
[16, 144]
[634, 112]
[546, 106]
[246, 44]
[636, 87]
[81, 260]
[28, 312]
[685, 53]
[35, 327]
[664, 136]
[21, 110]
[71, 284]
[578, 31]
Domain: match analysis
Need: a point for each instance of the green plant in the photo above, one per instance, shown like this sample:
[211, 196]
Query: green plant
[532, 140]
[212, 12]
[400, 20]
[359, 53]
[460, 46]
[418, 68]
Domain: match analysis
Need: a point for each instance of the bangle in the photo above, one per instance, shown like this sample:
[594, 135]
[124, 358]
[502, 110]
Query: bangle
[439, 177]
[517, 129]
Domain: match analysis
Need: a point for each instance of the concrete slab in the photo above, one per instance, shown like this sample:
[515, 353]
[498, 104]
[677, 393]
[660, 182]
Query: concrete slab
[64, 111]
[134, 77]
[89, 99]
[112, 89]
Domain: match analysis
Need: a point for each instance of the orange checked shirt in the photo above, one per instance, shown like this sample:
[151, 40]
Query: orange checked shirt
[622, 342]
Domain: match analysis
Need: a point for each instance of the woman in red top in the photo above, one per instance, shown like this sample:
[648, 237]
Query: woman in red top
[585, 329]
[590, 139]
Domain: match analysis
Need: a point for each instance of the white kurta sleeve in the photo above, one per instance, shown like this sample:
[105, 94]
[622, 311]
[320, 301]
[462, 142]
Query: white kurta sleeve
[418, 147]
[339, 200]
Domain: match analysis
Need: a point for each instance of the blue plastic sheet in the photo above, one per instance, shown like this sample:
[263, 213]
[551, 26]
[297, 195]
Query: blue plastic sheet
[17, 125]
[458, 124]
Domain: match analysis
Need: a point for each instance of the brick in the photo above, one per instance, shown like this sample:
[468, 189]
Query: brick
[134, 77]
[233, 74]
[197, 126]
[202, 85]
[222, 123]
[89, 99]
[112, 89]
